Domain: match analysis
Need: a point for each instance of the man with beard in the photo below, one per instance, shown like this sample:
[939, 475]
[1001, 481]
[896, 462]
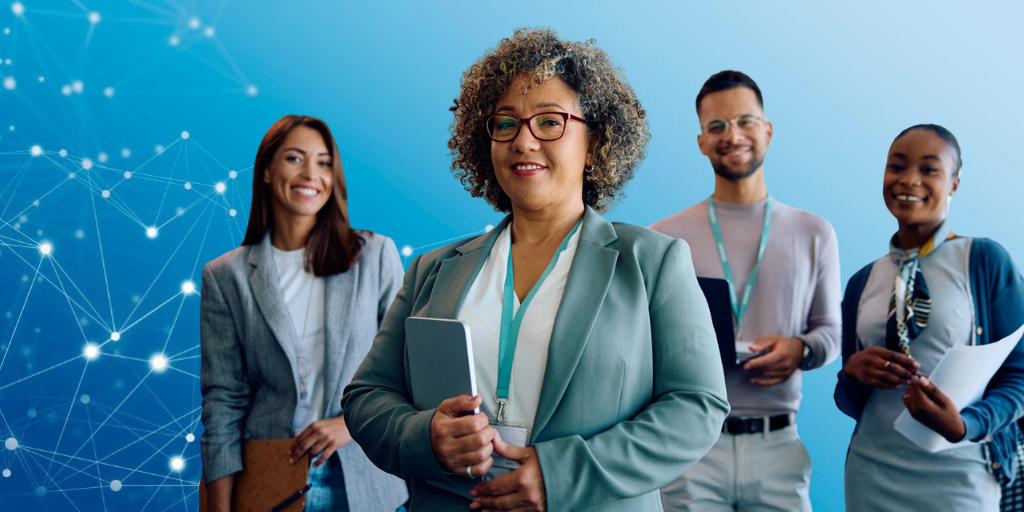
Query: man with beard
[782, 266]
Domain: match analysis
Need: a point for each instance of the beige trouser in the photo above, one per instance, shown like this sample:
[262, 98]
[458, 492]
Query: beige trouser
[759, 472]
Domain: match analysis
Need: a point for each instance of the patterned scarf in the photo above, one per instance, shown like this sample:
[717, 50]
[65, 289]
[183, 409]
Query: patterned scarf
[909, 303]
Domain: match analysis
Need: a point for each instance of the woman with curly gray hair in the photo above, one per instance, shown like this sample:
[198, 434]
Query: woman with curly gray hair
[592, 345]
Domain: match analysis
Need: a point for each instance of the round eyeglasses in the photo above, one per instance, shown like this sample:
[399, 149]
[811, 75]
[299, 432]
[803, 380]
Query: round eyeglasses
[546, 126]
[743, 123]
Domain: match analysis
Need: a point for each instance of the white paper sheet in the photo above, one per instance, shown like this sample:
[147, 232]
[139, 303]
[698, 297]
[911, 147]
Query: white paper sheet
[962, 375]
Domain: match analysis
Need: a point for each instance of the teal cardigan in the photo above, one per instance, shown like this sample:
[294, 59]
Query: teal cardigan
[634, 392]
[998, 291]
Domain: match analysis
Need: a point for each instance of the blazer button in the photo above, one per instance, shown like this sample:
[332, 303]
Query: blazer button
[979, 330]
[988, 439]
[996, 465]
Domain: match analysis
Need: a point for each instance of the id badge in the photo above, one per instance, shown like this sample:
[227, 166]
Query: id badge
[516, 435]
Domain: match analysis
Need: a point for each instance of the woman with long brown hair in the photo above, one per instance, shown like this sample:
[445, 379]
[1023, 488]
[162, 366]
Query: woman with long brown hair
[285, 320]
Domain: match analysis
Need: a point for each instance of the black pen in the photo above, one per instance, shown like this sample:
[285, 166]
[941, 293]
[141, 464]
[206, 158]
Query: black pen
[288, 501]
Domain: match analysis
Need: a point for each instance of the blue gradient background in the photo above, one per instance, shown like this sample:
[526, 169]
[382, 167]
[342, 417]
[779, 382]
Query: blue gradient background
[839, 83]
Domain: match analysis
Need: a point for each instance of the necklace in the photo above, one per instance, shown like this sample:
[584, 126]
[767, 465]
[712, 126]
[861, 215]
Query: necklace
[304, 371]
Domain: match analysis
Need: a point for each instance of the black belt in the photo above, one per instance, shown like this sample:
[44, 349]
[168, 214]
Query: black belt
[756, 425]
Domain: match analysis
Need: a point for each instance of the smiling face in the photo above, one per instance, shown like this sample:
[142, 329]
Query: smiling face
[919, 178]
[300, 175]
[739, 151]
[539, 174]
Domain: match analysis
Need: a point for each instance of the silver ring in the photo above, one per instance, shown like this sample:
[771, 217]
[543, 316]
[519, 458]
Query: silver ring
[469, 471]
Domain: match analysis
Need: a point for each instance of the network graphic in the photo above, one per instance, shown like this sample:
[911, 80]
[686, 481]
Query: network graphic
[106, 220]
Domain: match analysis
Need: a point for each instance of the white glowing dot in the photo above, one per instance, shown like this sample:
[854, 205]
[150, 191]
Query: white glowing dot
[193, 23]
[127, 175]
[79, 234]
[86, 164]
[177, 463]
[32, 413]
[232, 174]
[103, 157]
[159, 148]
[108, 92]
[151, 232]
[42, 79]
[37, 150]
[65, 90]
[7, 473]
[190, 438]
[85, 399]
[115, 336]
[188, 287]
[105, 194]
[71, 175]
[209, 32]
[115, 485]
[36, 203]
[11, 127]
[184, 134]
[63, 153]
[46, 248]
[7, 31]
[18, 8]
[10, 83]
[11, 443]
[158, 362]
[220, 187]
[251, 90]
[8, 62]
[406, 251]
[232, 212]
[188, 185]
[94, 17]
[77, 86]
[488, 227]
[125, 153]
[174, 41]
[40, 491]
[23, 218]
[91, 351]
[179, 211]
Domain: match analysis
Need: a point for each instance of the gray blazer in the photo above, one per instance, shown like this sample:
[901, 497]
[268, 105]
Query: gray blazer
[248, 352]
[633, 395]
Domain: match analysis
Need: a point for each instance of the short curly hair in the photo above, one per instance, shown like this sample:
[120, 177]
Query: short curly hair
[615, 119]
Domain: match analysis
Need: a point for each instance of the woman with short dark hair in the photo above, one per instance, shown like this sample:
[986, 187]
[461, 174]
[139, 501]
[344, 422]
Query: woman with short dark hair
[614, 378]
[286, 318]
[901, 313]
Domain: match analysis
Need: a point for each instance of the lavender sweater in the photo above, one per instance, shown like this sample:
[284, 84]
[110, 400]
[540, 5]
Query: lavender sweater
[797, 292]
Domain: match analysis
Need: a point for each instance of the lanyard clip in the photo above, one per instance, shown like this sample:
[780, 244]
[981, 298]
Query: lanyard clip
[501, 408]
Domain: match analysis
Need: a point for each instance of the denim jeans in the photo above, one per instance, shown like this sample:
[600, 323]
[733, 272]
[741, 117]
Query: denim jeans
[328, 491]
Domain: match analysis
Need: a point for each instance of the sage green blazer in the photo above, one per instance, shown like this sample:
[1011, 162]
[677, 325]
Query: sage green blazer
[633, 395]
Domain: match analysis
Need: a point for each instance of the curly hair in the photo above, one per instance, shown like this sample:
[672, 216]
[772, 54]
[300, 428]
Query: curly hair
[616, 121]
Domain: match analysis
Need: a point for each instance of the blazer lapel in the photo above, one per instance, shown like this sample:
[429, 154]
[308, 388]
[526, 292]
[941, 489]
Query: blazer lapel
[339, 304]
[456, 275]
[267, 291]
[593, 266]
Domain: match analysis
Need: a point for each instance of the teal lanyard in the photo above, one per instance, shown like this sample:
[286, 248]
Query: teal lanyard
[509, 334]
[738, 308]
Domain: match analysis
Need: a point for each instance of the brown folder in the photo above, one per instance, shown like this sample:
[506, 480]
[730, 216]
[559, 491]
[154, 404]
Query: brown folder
[266, 479]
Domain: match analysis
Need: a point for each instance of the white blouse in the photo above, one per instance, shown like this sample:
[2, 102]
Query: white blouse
[482, 311]
[304, 295]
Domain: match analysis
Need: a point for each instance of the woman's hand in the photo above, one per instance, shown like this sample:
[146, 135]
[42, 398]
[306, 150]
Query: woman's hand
[322, 437]
[460, 438]
[521, 490]
[930, 406]
[881, 368]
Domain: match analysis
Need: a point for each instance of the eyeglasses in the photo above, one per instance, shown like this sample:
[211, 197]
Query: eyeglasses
[546, 126]
[745, 123]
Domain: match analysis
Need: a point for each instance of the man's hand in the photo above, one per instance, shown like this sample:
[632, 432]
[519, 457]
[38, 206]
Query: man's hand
[775, 367]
